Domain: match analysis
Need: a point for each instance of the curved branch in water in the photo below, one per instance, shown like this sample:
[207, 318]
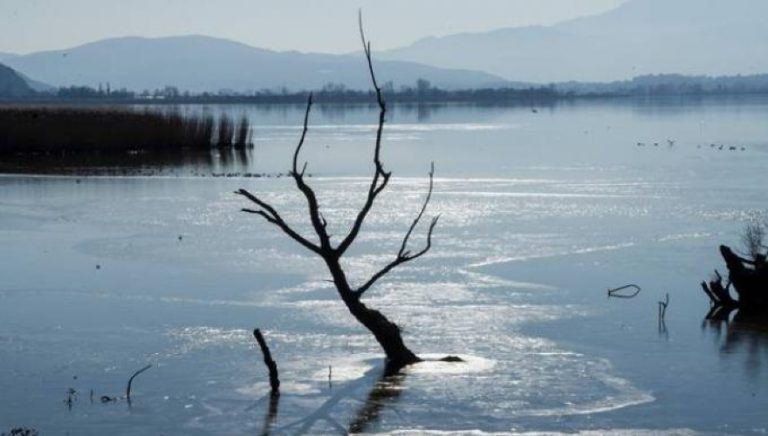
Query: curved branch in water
[632, 294]
[130, 382]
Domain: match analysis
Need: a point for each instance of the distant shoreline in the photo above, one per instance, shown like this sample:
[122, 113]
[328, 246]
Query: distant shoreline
[421, 93]
[514, 97]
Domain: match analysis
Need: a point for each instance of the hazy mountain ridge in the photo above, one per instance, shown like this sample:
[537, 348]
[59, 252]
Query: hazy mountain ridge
[12, 84]
[691, 37]
[199, 63]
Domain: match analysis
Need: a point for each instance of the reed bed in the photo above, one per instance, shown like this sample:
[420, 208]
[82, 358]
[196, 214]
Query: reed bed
[101, 131]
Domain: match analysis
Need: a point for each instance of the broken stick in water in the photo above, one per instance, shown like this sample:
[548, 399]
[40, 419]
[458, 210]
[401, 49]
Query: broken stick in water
[663, 308]
[274, 381]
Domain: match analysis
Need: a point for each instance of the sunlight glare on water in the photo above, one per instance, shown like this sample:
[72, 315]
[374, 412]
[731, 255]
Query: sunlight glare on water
[529, 239]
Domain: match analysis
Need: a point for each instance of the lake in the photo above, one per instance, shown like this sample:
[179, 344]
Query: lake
[542, 210]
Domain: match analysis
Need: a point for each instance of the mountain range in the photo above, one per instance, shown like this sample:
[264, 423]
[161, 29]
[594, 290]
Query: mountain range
[199, 63]
[692, 37]
[640, 37]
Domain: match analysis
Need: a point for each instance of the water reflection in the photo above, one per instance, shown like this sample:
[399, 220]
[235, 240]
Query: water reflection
[271, 416]
[324, 419]
[192, 162]
[741, 333]
[385, 392]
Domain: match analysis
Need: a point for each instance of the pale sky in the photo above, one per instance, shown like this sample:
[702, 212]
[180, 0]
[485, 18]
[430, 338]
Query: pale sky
[306, 25]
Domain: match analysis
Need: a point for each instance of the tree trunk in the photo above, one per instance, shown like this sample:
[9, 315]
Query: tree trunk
[386, 332]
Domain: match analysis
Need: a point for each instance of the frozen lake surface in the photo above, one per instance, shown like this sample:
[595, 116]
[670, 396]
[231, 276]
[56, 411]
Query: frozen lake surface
[541, 212]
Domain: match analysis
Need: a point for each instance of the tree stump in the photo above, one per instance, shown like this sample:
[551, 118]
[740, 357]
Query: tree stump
[749, 279]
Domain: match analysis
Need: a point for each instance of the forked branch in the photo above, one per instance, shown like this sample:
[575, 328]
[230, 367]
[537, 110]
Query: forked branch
[378, 183]
[269, 213]
[404, 255]
[380, 177]
[315, 217]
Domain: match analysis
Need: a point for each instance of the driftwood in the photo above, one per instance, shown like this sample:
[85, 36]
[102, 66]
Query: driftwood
[747, 277]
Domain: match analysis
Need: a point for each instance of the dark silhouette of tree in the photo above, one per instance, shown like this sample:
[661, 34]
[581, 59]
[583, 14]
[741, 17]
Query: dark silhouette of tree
[386, 332]
[747, 275]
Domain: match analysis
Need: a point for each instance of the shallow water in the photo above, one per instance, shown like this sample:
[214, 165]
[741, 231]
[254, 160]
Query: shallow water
[541, 212]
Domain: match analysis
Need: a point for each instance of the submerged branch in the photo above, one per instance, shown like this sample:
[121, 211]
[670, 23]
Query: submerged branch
[130, 382]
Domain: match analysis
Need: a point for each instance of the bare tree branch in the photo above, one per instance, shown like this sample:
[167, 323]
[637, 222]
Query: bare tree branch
[270, 214]
[421, 212]
[367, 50]
[312, 204]
[380, 174]
[403, 255]
[303, 136]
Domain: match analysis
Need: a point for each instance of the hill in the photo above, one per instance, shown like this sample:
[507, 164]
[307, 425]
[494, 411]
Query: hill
[205, 64]
[640, 37]
[12, 85]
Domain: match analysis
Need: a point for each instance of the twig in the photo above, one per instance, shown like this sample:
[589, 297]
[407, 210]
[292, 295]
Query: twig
[662, 314]
[274, 381]
[613, 292]
[663, 308]
[130, 382]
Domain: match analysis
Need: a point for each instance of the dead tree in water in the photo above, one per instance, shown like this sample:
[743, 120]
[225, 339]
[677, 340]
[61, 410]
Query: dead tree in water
[385, 331]
[747, 276]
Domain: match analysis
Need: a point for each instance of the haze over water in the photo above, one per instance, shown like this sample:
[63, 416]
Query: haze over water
[542, 209]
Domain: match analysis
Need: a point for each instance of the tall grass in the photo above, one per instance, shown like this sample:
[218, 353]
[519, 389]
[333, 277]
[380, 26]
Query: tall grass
[47, 130]
[244, 134]
[225, 133]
